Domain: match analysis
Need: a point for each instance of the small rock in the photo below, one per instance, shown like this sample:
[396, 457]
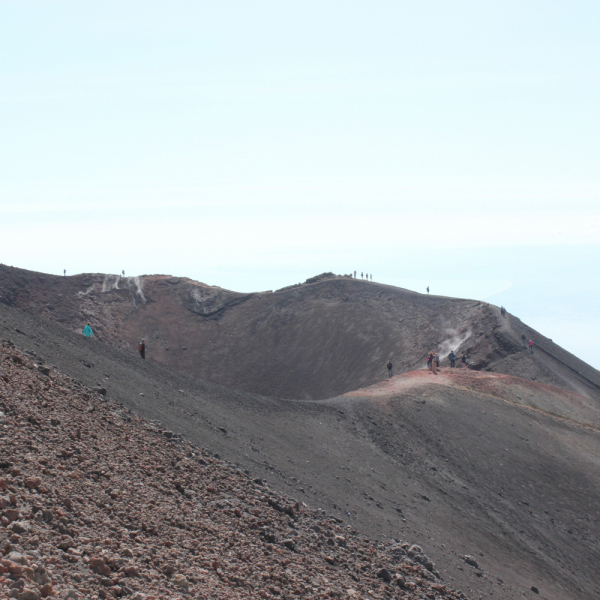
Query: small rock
[33, 482]
[131, 571]
[40, 576]
[385, 575]
[19, 527]
[11, 514]
[534, 589]
[470, 561]
[28, 595]
[47, 516]
[18, 558]
[97, 565]
[180, 581]
[66, 543]
[46, 590]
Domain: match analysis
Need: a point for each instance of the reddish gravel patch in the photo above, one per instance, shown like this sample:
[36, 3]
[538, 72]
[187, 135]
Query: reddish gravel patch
[99, 503]
[553, 401]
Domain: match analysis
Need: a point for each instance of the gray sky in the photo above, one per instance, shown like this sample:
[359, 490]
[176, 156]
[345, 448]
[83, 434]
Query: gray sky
[252, 145]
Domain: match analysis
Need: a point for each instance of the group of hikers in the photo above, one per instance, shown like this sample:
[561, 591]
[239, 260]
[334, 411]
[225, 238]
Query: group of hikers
[89, 333]
[525, 344]
[433, 358]
[364, 276]
[433, 361]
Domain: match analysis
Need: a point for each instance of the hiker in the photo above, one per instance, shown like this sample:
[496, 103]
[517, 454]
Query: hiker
[354, 274]
[428, 289]
[389, 368]
[64, 272]
[437, 360]
[463, 360]
[142, 349]
[371, 276]
[429, 360]
[523, 339]
[452, 358]
[367, 276]
[88, 331]
[433, 364]
[531, 346]
[123, 272]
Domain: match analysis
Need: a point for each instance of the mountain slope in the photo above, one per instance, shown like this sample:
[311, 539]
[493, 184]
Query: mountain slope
[310, 341]
[497, 467]
[101, 504]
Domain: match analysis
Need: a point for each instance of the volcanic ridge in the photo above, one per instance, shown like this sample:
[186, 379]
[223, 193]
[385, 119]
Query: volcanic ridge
[319, 465]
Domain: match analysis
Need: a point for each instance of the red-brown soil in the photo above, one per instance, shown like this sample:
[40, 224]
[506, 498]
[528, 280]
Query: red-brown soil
[569, 406]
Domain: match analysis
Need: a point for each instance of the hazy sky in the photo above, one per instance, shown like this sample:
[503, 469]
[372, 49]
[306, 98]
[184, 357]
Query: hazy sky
[253, 145]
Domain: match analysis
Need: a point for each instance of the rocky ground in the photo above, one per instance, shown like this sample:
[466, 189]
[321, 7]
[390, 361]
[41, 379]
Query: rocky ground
[100, 503]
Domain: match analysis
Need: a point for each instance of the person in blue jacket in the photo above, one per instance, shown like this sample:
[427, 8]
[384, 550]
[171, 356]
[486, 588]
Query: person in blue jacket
[452, 358]
[88, 331]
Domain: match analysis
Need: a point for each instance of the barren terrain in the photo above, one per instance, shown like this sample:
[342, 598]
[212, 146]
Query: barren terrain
[500, 468]
[317, 340]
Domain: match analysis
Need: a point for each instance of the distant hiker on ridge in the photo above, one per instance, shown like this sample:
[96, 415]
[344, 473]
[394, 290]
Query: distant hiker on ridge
[361, 275]
[123, 272]
[523, 339]
[463, 360]
[428, 289]
[429, 360]
[142, 349]
[452, 358]
[437, 360]
[433, 364]
[354, 274]
[371, 276]
[531, 346]
[389, 368]
[88, 331]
